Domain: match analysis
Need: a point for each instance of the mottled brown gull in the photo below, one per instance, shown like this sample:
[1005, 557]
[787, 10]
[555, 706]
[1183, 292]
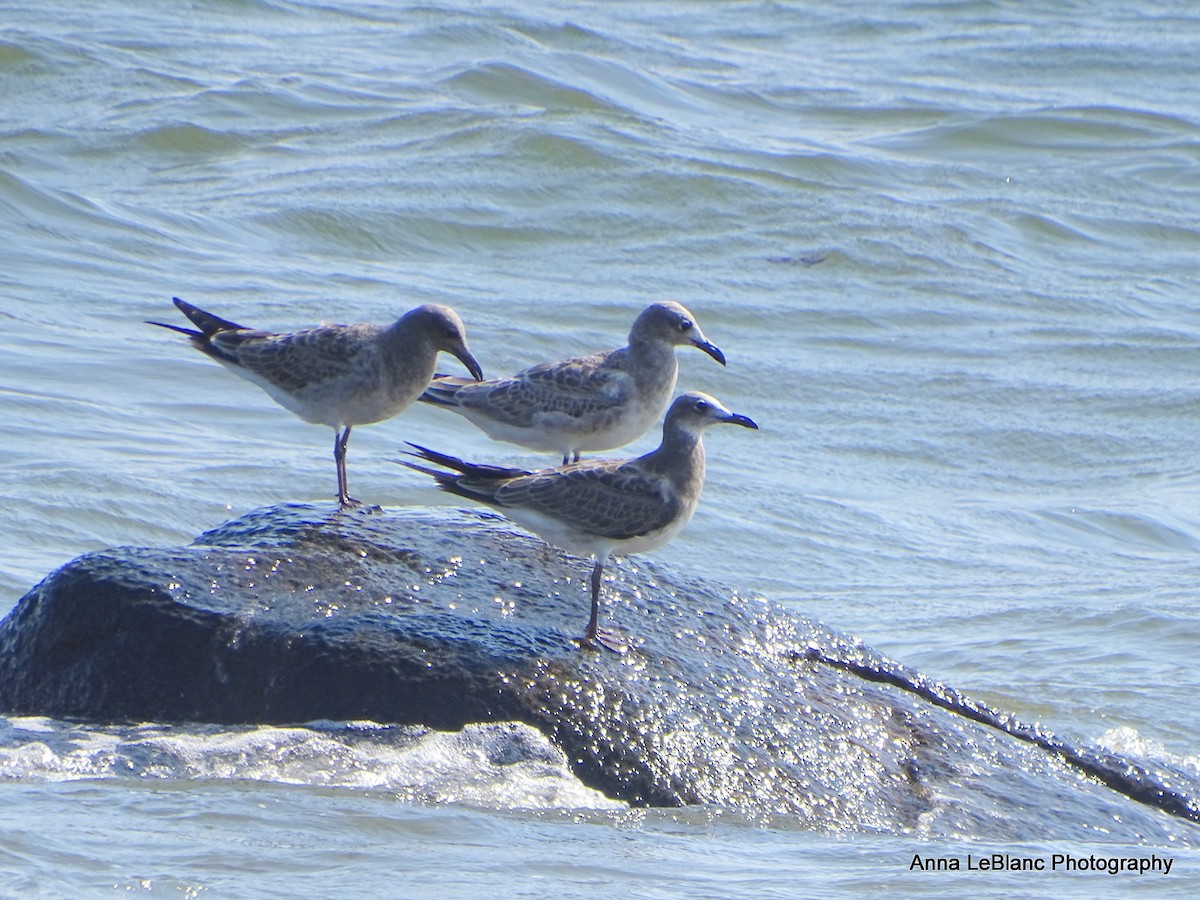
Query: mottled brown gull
[596, 402]
[605, 506]
[336, 375]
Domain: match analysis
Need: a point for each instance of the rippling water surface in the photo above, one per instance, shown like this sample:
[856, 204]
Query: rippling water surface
[948, 248]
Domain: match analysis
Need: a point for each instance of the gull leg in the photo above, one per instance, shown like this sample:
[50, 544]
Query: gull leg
[340, 440]
[597, 638]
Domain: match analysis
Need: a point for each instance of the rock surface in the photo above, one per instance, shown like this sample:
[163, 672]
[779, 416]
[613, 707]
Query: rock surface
[441, 618]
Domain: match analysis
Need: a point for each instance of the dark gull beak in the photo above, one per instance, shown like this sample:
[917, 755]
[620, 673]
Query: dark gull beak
[739, 419]
[464, 356]
[710, 348]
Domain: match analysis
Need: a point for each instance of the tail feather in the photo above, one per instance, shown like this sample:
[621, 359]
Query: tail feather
[436, 396]
[442, 389]
[206, 321]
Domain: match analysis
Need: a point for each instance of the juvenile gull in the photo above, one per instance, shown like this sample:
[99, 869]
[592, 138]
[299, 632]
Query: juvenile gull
[336, 375]
[605, 506]
[595, 402]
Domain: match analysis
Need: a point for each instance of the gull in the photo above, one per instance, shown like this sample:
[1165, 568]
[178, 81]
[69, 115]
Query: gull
[596, 402]
[600, 507]
[336, 375]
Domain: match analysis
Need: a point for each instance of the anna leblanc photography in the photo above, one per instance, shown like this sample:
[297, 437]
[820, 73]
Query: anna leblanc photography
[423, 562]
[1055, 862]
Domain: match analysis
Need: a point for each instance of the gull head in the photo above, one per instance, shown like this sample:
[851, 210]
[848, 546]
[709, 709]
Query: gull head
[673, 324]
[694, 411]
[444, 330]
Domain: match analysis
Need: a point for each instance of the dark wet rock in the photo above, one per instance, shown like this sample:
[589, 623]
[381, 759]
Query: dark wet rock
[440, 618]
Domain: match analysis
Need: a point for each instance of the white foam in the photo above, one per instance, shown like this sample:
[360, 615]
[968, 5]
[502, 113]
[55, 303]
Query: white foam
[496, 766]
[1127, 741]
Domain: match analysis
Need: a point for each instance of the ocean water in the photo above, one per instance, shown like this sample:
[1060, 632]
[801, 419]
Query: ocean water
[949, 250]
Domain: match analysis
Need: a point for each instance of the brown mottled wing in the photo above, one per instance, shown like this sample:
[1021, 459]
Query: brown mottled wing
[297, 359]
[611, 498]
[578, 388]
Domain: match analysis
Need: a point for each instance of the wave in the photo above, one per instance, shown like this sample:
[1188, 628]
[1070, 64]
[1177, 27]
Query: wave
[492, 766]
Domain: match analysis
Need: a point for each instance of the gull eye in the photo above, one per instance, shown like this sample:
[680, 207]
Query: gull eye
[685, 324]
[700, 406]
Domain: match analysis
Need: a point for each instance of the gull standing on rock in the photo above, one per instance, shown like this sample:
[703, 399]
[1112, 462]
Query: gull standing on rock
[336, 375]
[605, 506]
[595, 402]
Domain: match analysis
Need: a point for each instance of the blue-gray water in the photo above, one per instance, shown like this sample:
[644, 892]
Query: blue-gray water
[949, 249]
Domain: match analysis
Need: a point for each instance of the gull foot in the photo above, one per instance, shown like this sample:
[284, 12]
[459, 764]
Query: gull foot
[603, 639]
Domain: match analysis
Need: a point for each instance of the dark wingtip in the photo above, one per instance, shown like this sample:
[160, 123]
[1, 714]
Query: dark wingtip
[424, 452]
[441, 459]
[473, 470]
[189, 332]
[206, 321]
[423, 469]
[421, 451]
